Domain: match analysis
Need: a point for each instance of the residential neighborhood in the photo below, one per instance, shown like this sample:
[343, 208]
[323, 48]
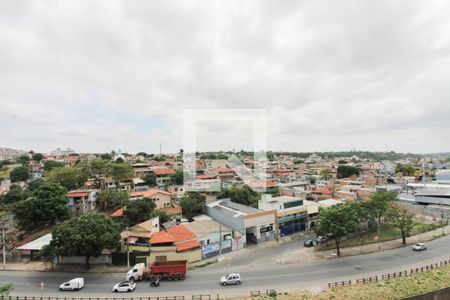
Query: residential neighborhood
[195, 226]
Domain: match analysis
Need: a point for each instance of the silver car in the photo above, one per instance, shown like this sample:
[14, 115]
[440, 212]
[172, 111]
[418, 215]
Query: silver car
[233, 278]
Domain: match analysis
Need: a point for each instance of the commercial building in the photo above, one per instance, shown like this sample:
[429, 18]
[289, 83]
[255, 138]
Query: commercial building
[254, 225]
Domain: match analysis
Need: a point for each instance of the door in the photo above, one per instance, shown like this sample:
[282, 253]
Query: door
[142, 260]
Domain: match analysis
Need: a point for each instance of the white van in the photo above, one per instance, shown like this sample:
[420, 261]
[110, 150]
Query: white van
[75, 284]
[136, 273]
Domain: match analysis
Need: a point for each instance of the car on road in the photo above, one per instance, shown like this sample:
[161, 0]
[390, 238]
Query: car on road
[75, 284]
[125, 286]
[309, 243]
[321, 239]
[232, 278]
[420, 247]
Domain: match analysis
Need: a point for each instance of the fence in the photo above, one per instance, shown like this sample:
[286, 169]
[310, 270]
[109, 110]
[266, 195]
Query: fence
[390, 275]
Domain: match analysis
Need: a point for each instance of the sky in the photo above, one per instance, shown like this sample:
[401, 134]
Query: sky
[330, 75]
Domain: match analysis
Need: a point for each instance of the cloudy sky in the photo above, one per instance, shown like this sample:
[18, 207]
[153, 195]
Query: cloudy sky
[332, 75]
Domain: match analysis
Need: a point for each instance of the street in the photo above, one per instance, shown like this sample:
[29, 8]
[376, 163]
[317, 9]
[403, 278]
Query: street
[256, 275]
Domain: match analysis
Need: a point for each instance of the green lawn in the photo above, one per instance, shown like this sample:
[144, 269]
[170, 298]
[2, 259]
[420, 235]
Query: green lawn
[388, 232]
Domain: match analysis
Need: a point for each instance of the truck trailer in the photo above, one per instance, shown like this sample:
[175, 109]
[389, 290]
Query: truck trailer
[170, 270]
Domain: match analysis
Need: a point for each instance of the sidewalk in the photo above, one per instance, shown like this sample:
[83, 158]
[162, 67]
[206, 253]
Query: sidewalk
[38, 266]
[392, 244]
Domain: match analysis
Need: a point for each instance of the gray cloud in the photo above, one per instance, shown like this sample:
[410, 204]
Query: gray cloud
[333, 75]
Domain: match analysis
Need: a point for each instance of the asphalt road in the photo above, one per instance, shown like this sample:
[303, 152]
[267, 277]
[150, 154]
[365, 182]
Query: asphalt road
[256, 274]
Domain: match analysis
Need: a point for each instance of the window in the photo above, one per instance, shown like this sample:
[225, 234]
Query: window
[293, 204]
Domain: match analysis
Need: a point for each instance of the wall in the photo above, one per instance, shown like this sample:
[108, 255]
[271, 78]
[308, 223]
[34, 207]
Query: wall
[102, 259]
[443, 294]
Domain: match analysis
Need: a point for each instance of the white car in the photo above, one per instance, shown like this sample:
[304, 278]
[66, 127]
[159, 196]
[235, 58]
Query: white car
[75, 284]
[125, 286]
[419, 247]
[233, 278]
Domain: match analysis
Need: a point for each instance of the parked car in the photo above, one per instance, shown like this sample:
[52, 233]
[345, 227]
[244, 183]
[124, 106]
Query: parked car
[75, 284]
[419, 247]
[233, 278]
[309, 243]
[321, 239]
[125, 286]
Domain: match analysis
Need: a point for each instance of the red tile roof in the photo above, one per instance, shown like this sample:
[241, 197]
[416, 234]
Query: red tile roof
[323, 190]
[181, 233]
[77, 194]
[187, 245]
[150, 193]
[167, 171]
[117, 213]
[267, 183]
[161, 237]
[207, 176]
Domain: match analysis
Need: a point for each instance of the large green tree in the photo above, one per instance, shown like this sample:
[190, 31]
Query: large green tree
[177, 177]
[378, 205]
[51, 164]
[19, 174]
[112, 199]
[405, 169]
[402, 218]
[243, 195]
[95, 170]
[37, 157]
[15, 194]
[338, 221]
[138, 211]
[23, 160]
[87, 235]
[119, 172]
[344, 171]
[150, 179]
[70, 178]
[192, 204]
[47, 205]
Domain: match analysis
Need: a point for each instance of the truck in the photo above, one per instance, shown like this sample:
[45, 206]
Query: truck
[170, 270]
[75, 284]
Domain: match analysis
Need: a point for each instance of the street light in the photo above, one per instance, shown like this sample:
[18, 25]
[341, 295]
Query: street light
[4, 247]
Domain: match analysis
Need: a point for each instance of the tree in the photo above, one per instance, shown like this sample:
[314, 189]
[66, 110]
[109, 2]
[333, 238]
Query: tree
[119, 172]
[338, 221]
[177, 177]
[106, 156]
[402, 218]
[150, 179]
[346, 171]
[70, 178]
[47, 205]
[23, 160]
[19, 174]
[6, 289]
[15, 194]
[163, 216]
[87, 235]
[342, 162]
[326, 174]
[37, 157]
[405, 169]
[192, 204]
[4, 163]
[51, 164]
[35, 184]
[95, 169]
[378, 205]
[243, 195]
[120, 160]
[139, 211]
[48, 253]
[112, 199]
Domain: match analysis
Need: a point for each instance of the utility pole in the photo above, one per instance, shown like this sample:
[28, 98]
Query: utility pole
[4, 247]
[128, 248]
[220, 241]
